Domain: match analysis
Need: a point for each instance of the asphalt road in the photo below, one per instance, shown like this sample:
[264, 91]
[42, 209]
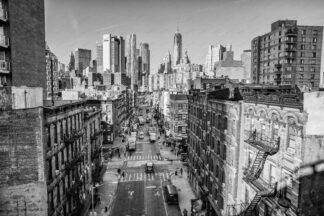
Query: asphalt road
[140, 193]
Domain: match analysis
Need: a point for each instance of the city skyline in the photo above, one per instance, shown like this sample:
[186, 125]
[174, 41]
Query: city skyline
[156, 22]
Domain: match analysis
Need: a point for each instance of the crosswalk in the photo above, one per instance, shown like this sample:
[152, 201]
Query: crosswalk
[143, 157]
[145, 176]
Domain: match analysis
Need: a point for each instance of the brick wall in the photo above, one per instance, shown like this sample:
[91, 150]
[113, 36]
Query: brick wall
[27, 42]
[22, 184]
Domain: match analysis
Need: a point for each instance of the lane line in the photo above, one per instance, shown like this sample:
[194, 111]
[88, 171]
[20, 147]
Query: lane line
[165, 208]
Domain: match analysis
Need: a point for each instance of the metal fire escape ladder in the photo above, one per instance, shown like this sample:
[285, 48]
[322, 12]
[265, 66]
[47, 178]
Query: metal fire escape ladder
[266, 146]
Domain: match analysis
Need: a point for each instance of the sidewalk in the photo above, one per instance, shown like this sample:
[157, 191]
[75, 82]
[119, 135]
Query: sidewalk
[107, 193]
[185, 191]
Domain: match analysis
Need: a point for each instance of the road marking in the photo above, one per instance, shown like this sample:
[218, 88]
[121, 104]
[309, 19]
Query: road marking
[149, 187]
[165, 208]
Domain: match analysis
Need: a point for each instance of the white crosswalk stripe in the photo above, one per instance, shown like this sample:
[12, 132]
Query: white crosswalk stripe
[144, 176]
[143, 157]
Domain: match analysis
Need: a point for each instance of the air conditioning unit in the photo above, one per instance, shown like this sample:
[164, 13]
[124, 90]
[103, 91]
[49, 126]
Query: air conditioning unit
[57, 172]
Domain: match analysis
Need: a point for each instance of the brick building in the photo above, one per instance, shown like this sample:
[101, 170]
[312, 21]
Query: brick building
[51, 74]
[281, 136]
[50, 154]
[214, 133]
[178, 115]
[21, 62]
[288, 55]
[248, 150]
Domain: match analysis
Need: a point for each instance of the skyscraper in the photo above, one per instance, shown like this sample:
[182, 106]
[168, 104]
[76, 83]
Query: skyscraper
[215, 54]
[114, 53]
[132, 60]
[99, 58]
[72, 62]
[82, 60]
[145, 53]
[177, 48]
[288, 55]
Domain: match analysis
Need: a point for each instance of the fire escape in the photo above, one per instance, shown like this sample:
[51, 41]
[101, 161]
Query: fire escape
[266, 146]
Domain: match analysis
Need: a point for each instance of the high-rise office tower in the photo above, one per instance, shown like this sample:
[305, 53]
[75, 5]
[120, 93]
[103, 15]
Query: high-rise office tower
[177, 48]
[114, 54]
[215, 54]
[22, 23]
[145, 53]
[288, 55]
[82, 60]
[132, 60]
[99, 58]
[72, 62]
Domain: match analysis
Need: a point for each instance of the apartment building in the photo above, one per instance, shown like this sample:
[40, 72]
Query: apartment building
[214, 138]
[289, 54]
[260, 154]
[19, 64]
[178, 115]
[281, 137]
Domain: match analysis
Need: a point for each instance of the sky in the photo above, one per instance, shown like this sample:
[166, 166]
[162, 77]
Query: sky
[72, 24]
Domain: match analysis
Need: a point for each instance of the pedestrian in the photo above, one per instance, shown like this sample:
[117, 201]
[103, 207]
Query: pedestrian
[181, 170]
[106, 209]
[125, 154]
[118, 171]
[185, 212]
[123, 174]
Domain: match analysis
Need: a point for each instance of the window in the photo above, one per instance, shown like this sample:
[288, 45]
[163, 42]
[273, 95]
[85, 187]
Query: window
[312, 76]
[314, 40]
[304, 32]
[314, 47]
[302, 47]
[301, 68]
[301, 61]
[279, 47]
[312, 69]
[314, 54]
[302, 54]
[272, 178]
[313, 61]
[303, 39]
[301, 76]
[279, 33]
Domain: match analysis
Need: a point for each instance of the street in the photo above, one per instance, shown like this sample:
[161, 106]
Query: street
[138, 192]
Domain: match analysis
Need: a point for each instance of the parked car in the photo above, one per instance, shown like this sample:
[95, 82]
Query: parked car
[171, 194]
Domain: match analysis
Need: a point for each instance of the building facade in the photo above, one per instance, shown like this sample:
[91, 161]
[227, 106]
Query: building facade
[214, 133]
[288, 55]
[131, 66]
[99, 58]
[52, 74]
[177, 48]
[21, 22]
[178, 115]
[215, 54]
[114, 54]
[82, 60]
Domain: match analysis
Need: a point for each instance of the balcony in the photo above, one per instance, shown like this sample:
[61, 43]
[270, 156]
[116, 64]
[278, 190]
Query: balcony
[4, 67]
[263, 143]
[3, 15]
[292, 32]
[291, 40]
[4, 41]
[290, 49]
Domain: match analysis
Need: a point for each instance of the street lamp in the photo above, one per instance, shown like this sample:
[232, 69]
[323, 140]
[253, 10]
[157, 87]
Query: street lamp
[97, 186]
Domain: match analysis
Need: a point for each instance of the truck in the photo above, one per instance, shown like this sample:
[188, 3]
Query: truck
[132, 143]
[152, 134]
